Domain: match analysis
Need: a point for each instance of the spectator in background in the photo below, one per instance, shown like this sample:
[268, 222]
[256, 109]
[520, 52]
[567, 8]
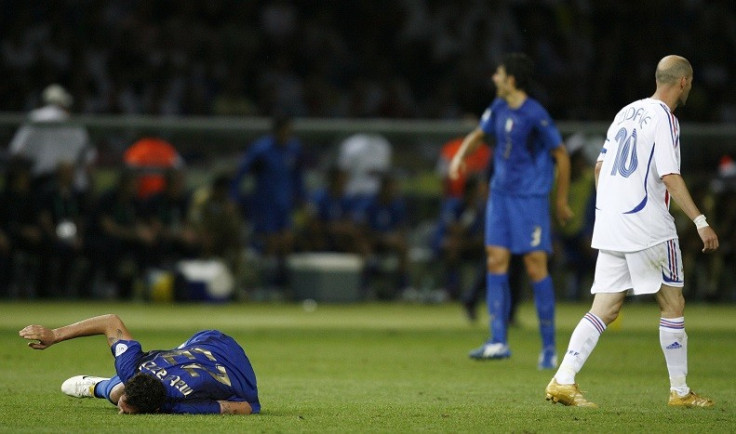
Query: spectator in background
[167, 212]
[120, 241]
[459, 235]
[365, 158]
[331, 218]
[384, 222]
[577, 258]
[18, 208]
[218, 222]
[47, 141]
[276, 163]
[150, 158]
[61, 219]
[722, 273]
[5, 259]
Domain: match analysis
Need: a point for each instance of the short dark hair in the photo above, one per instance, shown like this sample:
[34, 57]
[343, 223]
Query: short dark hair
[145, 393]
[279, 122]
[521, 67]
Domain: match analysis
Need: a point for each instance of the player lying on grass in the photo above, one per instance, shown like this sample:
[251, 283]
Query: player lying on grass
[207, 374]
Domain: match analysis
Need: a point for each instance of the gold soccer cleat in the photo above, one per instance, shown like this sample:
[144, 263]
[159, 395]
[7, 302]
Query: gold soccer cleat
[689, 400]
[567, 394]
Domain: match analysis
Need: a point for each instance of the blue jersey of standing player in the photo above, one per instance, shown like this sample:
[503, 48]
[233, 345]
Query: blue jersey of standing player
[523, 165]
[208, 367]
[278, 171]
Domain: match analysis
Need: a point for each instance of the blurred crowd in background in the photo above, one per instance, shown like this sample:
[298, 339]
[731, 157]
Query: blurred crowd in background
[62, 237]
[395, 59]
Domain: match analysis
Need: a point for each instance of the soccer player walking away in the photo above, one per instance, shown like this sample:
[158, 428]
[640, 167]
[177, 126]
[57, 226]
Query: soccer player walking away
[528, 146]
[637, 172]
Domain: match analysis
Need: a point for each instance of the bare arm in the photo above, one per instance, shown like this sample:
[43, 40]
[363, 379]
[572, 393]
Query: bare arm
[598, 166]
[564, 213]
[235, 407]
[681, 195]
[109, 325]
[470, 144]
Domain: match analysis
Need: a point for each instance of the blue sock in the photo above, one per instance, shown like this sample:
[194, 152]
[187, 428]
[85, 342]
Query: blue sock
[544, 298]
[104, 388]
[498, 298]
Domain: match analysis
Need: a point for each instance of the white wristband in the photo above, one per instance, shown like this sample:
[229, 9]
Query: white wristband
[700, 222]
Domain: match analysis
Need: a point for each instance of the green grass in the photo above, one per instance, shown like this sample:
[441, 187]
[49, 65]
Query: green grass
[377, 368]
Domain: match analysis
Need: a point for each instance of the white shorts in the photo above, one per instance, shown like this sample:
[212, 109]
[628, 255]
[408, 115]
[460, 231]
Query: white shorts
[642, 272]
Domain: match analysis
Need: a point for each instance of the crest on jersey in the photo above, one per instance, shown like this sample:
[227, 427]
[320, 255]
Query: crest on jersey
[509, 125]
[486, 115]
[120, 349]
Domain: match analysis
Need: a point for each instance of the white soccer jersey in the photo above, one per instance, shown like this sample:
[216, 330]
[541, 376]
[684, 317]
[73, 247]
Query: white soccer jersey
[632, 203]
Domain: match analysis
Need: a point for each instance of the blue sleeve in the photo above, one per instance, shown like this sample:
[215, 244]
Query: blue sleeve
[201, 406]
[127, 358]
[547, 130]
[487, 119]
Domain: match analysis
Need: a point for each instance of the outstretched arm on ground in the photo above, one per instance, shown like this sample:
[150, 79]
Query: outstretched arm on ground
[109, 325]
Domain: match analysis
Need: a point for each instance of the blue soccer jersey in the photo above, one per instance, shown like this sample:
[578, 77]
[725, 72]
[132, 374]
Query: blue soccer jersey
[330, 208]
[278, 173]
[384, 217]
[523, 165]
[208, 367]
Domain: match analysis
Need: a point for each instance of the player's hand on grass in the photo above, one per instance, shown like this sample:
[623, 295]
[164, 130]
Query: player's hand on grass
[710, 239]
[40, 336]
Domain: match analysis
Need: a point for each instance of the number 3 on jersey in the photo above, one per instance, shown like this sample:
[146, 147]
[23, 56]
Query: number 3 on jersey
[626, 159]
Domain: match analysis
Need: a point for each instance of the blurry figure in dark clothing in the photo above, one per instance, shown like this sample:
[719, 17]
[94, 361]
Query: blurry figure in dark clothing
[18, 208]
[167, 212]
[572, 240]
[276, 163]
[217, 220]
[120, 240]
[331, 225]
[60, 217]
[384, 220]
[459, 237]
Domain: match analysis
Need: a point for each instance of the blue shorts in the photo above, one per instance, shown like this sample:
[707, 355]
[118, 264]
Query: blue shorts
[519, 224]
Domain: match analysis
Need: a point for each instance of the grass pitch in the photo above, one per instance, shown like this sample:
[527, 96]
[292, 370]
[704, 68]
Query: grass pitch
[390, 368]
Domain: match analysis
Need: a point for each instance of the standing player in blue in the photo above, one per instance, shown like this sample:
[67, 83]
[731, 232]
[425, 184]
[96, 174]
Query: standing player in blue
[276, 163]
[207, 374]
[528, 146]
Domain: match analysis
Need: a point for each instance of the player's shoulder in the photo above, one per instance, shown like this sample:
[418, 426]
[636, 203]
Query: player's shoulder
[534, 108]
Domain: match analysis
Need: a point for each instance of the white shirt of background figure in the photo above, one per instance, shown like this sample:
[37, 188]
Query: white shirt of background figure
[642, 145]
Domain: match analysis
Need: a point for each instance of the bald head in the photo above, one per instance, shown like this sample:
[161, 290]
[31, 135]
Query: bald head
[671, 69]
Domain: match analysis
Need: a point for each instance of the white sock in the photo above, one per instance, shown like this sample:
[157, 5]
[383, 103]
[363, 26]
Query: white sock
[673, 340]
[584, 338]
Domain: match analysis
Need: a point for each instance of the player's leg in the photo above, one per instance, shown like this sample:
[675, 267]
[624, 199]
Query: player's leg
[498, 294]
[531, 236]
[89, 386]
[673, 341]
[672, 335]
[610, 284]
[544, 299]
